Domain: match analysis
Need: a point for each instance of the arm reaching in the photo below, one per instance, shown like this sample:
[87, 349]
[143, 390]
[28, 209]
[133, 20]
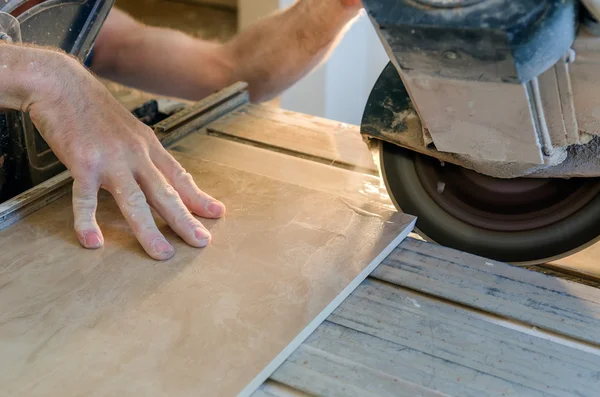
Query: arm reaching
[271, 55]
[103, 146]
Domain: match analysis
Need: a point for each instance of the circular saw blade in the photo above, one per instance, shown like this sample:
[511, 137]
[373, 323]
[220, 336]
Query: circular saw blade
[511, 235]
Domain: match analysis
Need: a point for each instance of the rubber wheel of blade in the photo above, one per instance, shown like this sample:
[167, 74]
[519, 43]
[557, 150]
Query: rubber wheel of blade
[528, 247]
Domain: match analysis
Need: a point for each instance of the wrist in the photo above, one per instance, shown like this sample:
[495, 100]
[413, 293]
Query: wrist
[352, 5]
[28, 74]
[51, 73]
[330, 15]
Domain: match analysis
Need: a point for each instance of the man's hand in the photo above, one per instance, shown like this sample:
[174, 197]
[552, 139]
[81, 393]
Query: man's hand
[104, 146]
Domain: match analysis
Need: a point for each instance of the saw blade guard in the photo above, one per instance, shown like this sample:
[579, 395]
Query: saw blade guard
[71, 26]
[515, 220]
[10, 28]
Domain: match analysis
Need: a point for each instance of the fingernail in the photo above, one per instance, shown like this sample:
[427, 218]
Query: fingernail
[161, 246]
[202, 235]
[92, 240]
[215, 208]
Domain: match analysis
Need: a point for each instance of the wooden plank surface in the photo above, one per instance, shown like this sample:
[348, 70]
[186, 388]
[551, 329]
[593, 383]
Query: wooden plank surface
[549, 303]
[207, 322]
[387, 341]
[275, 389]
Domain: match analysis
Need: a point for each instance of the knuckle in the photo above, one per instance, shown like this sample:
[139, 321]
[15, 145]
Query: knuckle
[83, 203]
[183, 217]
[84, 219]
[165, 194]
[147, 132]
[148, 229]
[182, 176]
[88, 161]
[84, 224]
[114, 151]
[137, 199]
[138, 146]
[169, 193]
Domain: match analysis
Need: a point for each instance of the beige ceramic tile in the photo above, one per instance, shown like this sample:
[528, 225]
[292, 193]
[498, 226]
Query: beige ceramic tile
[586, 261]
[114, 323]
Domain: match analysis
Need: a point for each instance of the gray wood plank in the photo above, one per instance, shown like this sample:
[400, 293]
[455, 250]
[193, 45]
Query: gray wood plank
[331, 141]
[274, 389]
[389, 341]
[327, 374]
[560, 306]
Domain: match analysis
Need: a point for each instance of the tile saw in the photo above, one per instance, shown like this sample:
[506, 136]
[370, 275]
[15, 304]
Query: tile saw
[486, 118]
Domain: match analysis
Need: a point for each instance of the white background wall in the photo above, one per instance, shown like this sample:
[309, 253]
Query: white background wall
[339, 89]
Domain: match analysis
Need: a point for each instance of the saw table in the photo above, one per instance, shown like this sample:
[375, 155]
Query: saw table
[430, 321]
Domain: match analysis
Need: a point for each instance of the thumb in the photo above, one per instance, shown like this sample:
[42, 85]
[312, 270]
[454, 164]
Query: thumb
[85, 202]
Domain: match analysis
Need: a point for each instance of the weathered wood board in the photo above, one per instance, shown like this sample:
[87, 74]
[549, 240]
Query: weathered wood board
[402, 336]
[211, 322]
[529, 297]
[388, 341]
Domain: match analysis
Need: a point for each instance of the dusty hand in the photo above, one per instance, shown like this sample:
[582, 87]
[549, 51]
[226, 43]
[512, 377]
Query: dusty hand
[104, 146]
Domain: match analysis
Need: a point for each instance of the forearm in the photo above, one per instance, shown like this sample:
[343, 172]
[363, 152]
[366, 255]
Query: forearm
[271, 55]
[277, 52]
[25, 74]
[157, 60]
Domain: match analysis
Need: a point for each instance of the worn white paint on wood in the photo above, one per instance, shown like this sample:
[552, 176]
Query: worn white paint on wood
[553, 304]
[387, 341]
[275, 389]
[335, 142]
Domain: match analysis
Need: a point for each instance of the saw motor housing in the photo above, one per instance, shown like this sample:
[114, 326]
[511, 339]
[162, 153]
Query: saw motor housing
[508, 88]
[487, 121]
